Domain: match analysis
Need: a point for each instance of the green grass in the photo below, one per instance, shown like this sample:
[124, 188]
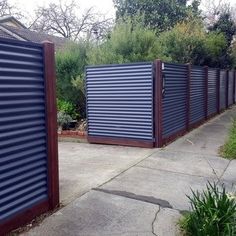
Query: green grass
[213, 213]
[229, 148]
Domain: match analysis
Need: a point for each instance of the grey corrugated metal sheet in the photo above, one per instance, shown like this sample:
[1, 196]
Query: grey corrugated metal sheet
[230, 88]
[120, 101]
[223, 77]
[212, 91]
[23, 159]
[197, 94]
[174, 100]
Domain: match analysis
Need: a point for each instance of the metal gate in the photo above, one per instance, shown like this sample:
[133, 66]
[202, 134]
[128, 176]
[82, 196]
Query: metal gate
[28, 137]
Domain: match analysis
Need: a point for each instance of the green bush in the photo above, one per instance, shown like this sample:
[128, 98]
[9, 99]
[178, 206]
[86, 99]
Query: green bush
[70, 65]
[129, 41]
[229, 149]
[213, 213]
[63, 120]
[188, 42]
[67, 108]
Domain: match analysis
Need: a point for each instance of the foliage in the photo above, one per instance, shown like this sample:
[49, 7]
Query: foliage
[160, 15]
[225, 25]
[229, 149]
[233, 53]
[189, 42]
[213, 213]
[67, 108]
[128, 42]
[63, 120]
[70, 65]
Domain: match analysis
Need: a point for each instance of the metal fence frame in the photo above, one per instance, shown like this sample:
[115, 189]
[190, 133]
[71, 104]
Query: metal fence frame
[52, 202]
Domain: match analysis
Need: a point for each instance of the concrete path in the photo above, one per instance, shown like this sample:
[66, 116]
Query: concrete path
[132, 191]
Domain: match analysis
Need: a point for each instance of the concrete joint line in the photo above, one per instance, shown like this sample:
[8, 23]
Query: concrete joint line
[154, 220]
[174, 172]
[126, 169]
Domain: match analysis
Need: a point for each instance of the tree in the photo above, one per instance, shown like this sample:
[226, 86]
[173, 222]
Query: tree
[6, 9]
[62, 19]
[160, 15]
[189, 42]
[225, 25]
[128, 42]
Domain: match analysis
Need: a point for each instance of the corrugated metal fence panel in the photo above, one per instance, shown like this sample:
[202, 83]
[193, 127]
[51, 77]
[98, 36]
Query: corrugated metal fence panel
[230, 88]
[212, 93]
[174, 101]
[223, 76]
[197, 94]
[120, 101]
[23, 158]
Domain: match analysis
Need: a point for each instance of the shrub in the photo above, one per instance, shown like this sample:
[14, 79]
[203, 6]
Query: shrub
[63, 120]
[213, 213]
[129, 41]
[70, 65]
[229, 149]
[67, 108]
[189, 42]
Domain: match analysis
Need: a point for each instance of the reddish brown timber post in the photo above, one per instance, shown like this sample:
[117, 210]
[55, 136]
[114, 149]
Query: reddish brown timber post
[158, 86]
[234, 83]
[206, 92]
[188, 96]
[51, 121]
[218, 91]
[227, 89]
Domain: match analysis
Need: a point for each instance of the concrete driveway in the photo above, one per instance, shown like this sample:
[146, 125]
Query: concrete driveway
[112, 190]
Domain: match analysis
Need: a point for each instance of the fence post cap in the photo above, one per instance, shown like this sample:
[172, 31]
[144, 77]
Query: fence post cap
[47, 42]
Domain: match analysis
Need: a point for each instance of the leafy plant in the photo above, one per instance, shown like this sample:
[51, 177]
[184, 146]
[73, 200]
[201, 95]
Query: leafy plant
[229, 149]
[213, 213]
[63, 120]
[70, 65]
[67, 108]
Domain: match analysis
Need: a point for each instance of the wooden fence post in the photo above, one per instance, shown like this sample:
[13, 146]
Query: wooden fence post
[188, 96]
[158, 86]
[206, 92]
[227, 89]
[51, 122]
[218, 92]
[234, 83]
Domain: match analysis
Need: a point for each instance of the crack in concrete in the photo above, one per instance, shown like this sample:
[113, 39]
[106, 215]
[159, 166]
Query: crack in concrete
[148, 199]
[154, 220]
[213, 170]
[220, 178]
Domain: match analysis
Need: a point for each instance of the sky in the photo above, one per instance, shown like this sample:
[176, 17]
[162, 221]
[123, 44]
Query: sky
[103, 6]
